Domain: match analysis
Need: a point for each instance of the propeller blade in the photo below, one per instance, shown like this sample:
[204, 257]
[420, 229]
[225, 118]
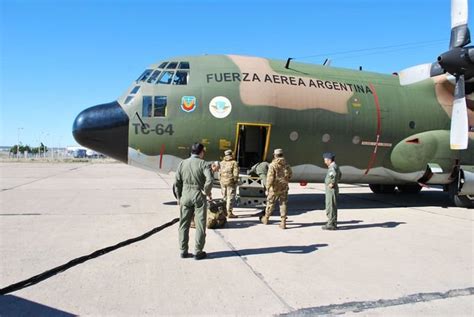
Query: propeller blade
[459, 124]
[418, 73]
[460, 35]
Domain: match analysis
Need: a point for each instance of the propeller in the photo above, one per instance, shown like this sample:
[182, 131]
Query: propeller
[458, 61]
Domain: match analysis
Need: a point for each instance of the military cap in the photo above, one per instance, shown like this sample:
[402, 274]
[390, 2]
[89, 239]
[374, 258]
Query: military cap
[278, 152]
[329, 155]
[228, 152]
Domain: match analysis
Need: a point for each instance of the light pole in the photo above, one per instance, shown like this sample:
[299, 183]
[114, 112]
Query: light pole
[39, 148]
[18, 144]
[46, 140]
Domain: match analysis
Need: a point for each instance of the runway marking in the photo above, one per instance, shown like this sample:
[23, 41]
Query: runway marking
[257, 274]
[356, 307]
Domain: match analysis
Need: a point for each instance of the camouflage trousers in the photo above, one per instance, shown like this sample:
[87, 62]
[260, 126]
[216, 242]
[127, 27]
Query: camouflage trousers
[271, 201]
[228, 194]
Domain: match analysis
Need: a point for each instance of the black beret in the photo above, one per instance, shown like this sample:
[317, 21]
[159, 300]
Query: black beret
[329, 155]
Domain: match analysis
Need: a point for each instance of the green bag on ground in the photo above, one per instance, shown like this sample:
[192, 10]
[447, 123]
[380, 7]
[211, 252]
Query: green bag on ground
[216, 215]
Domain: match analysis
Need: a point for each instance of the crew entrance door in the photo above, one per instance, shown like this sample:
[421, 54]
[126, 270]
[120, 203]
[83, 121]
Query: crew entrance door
[252, 141]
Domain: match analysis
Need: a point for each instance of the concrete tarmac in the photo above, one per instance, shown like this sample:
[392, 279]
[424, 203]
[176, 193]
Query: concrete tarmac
[394, 255]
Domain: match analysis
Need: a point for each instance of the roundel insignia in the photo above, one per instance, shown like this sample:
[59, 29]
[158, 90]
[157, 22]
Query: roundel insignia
[220, 107]
[188, 103]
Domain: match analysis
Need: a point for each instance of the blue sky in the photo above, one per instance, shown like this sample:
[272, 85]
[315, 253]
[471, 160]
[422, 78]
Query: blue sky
[60, 57]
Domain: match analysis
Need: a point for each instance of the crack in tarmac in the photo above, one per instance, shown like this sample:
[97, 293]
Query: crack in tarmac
[356, 307]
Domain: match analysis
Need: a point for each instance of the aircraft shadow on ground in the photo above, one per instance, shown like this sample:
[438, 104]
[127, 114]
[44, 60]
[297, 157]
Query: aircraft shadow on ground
[302, 203]
[290, 249]
[11, 305]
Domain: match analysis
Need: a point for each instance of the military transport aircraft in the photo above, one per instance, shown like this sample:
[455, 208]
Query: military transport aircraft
[388, 131]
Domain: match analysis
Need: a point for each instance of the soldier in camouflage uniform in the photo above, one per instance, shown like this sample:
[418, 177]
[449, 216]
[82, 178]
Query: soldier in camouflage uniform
[279, 174]
[331, 181]
[193, 183]
[229, 175]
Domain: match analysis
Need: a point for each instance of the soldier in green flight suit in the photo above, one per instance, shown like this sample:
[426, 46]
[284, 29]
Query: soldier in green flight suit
[278, 177]
[331, 181]
[193, 183]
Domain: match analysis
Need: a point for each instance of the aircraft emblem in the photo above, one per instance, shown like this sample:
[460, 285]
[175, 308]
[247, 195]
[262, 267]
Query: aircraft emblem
[220, 107]
[188, 103]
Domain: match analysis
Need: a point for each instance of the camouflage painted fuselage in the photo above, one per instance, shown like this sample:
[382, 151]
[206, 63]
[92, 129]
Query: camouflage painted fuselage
[381, 132]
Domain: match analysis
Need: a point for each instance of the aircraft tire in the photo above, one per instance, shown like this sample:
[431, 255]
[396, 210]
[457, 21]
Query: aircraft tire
[463, 201]
[460, 201]
[382, 189]
[409, 188]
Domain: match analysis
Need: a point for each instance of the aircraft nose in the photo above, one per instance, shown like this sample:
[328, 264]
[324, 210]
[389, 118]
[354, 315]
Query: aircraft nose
[103, 128]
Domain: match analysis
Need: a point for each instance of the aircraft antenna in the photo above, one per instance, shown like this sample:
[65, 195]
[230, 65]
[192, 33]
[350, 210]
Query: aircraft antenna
[141, 121]
[327, 62]
[287, 65]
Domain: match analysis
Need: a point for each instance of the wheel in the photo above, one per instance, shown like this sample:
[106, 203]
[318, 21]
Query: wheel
[409, 188]
[457, 200]
[463, 201]
[382, 189]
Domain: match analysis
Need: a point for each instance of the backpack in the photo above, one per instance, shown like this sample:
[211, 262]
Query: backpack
[217, 214]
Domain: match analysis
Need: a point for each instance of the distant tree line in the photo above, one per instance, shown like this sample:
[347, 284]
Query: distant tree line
[26, 148]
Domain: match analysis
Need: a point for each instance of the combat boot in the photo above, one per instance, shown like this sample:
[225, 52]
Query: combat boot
[283, 223]
[264, 220]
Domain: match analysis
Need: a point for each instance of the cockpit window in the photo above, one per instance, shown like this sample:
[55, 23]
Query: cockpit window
[166, 78]
[128, 99]
[159, 106]
[176, 73]
[147, 106]
[145, 75]
[181, 78]
[135, 90]
[154, 106]
[172, 65]
[153, 77]
[183, 65]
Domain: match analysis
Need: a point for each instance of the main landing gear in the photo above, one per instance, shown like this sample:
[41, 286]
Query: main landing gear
[463, 201]
[390, 189]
